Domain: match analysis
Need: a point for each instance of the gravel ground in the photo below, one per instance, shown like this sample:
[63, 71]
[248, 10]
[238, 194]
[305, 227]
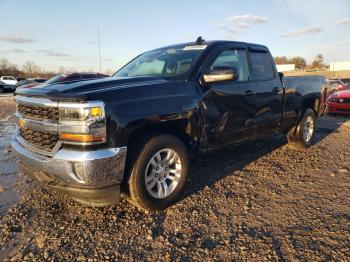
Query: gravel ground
[260, 201]
[8, 162]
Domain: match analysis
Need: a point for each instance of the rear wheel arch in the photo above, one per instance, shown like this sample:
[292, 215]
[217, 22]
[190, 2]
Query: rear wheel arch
[310, 103]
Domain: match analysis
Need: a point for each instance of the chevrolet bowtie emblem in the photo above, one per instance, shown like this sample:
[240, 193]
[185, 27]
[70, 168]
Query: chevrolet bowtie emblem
[21, 123]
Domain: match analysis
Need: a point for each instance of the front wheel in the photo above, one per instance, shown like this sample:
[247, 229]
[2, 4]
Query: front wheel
[302, 135]
[158, 172]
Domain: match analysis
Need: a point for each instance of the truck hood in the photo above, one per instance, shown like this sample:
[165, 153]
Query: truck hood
[81, 89]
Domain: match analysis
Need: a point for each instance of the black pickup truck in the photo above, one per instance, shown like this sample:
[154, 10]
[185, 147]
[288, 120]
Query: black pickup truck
[136, 130]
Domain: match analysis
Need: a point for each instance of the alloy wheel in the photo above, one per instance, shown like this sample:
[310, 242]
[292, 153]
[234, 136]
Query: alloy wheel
[163, 173]
[308, 129]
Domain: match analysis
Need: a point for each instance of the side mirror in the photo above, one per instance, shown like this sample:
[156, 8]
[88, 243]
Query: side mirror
[281, 74]
[220, 74]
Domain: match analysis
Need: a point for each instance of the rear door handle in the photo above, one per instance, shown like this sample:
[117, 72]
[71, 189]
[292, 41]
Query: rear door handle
[277, 89]
[249, 93]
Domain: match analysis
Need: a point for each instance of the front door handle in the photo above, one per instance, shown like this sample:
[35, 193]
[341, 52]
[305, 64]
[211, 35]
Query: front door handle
[277, 89]
[249, 93]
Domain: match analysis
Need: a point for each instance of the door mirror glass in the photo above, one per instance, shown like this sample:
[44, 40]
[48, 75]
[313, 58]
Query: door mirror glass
[220, 74]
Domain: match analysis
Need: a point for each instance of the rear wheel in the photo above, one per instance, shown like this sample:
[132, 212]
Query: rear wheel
[158, 172]
[302, 135]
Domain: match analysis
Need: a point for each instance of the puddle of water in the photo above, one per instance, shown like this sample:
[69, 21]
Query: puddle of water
[8, 168]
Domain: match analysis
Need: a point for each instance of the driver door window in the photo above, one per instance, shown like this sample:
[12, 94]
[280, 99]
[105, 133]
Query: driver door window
[233, 58]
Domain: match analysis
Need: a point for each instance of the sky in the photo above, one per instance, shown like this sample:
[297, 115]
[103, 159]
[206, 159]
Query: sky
[64, 34]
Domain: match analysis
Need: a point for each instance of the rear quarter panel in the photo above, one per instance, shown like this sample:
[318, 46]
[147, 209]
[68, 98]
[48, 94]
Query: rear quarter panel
[299, 91]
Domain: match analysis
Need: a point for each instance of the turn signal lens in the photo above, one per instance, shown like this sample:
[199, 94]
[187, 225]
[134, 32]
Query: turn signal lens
[79, 138]
[96, 111]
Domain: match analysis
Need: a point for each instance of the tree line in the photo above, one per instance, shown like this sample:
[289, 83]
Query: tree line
[31, 70]
[300, 62]
[28, 70]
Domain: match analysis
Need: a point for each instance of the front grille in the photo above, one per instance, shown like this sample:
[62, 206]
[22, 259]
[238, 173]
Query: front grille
[38, 112]
[346, 100]
[40, 140]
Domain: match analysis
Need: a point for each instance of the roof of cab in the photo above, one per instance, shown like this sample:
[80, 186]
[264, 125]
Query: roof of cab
[216, 42]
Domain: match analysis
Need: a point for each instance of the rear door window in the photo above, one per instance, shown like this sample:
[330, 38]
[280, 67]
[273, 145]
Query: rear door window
[261, 66]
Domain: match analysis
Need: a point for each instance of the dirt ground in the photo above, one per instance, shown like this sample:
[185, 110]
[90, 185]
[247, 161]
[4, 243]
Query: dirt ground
[326, 73]
[259, 201]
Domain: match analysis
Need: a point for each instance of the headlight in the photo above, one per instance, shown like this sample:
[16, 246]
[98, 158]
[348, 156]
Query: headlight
[80, 114]
[82, 123]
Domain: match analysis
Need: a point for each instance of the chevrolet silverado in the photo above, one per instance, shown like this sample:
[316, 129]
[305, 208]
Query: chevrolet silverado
[134, 132]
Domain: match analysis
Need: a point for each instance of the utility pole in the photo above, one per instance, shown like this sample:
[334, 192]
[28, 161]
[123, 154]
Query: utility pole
[99, 46]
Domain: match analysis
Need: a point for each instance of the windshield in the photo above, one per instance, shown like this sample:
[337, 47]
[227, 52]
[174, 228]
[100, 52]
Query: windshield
[55, 79]
[167, 62]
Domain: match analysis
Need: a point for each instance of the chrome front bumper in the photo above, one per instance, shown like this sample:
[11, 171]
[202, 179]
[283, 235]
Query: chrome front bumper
[91, 177]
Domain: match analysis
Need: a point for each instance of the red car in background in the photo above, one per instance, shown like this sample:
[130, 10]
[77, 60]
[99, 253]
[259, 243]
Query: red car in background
[339, 84]
[339, 102]
[63, 78]
[342, 87]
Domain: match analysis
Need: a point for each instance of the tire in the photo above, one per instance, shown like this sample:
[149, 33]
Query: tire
[301, 136]
[150, 194]
[1, 90]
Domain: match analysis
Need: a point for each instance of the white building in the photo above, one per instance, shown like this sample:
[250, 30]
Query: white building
[339, 66]
[286, 67]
